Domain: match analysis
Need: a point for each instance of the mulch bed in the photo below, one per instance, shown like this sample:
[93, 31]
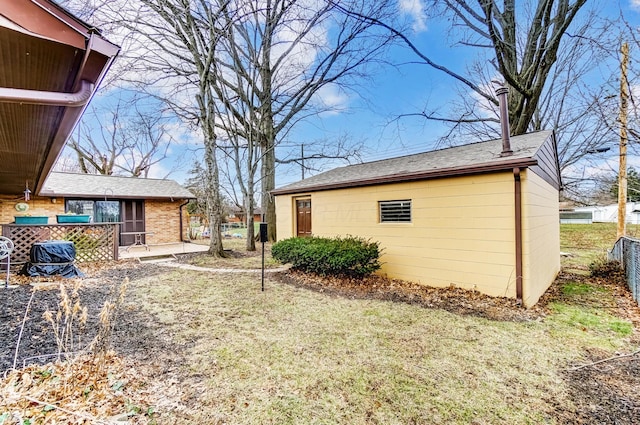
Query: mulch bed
[606, 393]
[141, 353]
[37, 339]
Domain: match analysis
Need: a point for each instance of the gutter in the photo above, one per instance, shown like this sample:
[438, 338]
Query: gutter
[48, 98]
[518, 230]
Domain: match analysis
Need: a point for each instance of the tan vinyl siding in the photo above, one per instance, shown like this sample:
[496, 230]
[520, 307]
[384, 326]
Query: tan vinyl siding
[541, 237]
[462, 229]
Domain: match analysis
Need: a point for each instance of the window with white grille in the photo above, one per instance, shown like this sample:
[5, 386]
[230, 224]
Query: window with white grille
[395, 211]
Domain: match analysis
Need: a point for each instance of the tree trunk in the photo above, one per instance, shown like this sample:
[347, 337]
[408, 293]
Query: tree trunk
[268, 140]
[249, 208]
[213, 199]
[268, 184]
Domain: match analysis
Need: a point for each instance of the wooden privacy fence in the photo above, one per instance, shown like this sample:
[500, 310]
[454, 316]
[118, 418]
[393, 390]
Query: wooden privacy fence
[93, 242]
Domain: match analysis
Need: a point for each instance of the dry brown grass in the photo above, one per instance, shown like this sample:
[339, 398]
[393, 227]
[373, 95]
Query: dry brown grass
[291, 355]
[238, 256]
[587, 243]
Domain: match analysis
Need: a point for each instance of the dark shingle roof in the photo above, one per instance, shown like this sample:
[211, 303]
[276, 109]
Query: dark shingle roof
[97, 185]
[459, 160]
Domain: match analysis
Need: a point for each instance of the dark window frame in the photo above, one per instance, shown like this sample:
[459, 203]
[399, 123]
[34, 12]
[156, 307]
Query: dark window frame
[93, 209]
[395, 211]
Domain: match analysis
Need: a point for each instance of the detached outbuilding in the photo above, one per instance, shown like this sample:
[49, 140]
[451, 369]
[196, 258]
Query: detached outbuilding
[476, 216]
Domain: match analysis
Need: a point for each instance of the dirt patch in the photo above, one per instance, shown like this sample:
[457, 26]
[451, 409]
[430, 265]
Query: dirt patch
[603, 392]
[235, 259]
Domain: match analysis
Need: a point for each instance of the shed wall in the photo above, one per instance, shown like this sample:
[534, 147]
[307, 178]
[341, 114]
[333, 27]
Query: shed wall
[541, 236]
[462, 229]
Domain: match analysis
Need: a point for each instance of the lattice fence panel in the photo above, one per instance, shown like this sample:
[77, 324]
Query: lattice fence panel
[93, 242]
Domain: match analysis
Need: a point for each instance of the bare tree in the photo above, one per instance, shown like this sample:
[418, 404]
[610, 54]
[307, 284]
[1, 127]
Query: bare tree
[630, 35]
[121, 139]
[170, 51]
[313, 155]
[242, 147]
[276, 59]
[521, 45]
[195, 183]
[605, 100]
[283, 53]
[545, 51]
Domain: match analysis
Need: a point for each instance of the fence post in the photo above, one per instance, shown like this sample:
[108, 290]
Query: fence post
[633, 280]
[631, 268]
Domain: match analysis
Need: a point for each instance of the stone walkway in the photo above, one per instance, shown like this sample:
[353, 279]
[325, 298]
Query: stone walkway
[164, 255]
[159, 250]
[172, 263]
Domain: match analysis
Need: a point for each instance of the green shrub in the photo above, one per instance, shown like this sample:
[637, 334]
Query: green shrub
[348, 256]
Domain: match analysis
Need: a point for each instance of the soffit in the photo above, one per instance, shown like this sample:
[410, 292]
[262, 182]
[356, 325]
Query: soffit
[42, 48]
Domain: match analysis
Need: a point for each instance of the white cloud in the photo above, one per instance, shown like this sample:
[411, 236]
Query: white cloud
[635, 4]
[415, 10]
[158, 171]
[183, 134]
[332, 99]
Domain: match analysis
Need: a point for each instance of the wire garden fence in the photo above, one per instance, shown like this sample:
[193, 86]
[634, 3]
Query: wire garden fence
[627, 252]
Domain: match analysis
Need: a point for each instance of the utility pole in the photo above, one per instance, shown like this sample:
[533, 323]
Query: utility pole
[302, 159]
[622, 171]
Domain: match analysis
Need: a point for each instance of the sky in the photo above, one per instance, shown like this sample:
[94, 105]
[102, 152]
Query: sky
[371, 118]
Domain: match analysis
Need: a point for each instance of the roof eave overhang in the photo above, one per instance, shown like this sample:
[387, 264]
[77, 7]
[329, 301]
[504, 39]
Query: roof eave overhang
[102, 52]
[43, 21]
[50, 194]
[485, 168]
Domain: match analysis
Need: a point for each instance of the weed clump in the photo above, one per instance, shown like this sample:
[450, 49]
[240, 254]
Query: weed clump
[349, 256]
[605, 268]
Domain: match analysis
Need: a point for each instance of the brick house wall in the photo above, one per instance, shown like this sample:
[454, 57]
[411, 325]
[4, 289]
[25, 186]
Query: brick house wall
[37, 206]
[162, 218]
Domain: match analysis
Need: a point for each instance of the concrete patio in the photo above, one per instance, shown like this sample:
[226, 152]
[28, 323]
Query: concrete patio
[160, 250]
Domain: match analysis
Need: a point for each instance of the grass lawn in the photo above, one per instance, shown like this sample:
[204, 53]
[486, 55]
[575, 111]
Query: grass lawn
[295, 356]
[238, 257]
[588, 243]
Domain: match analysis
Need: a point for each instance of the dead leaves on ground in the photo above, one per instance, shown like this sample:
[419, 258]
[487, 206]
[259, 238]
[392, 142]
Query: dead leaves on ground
[453, 299]
[84, 390]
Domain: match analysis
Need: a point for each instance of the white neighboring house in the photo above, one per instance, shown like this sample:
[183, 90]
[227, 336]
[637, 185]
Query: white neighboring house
[609, 213]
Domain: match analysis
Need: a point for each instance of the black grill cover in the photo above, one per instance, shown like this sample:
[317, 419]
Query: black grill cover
[52, 258]
[53, 252]
[68, 270]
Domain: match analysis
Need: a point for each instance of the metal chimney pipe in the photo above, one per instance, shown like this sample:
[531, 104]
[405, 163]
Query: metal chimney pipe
[501, 92]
